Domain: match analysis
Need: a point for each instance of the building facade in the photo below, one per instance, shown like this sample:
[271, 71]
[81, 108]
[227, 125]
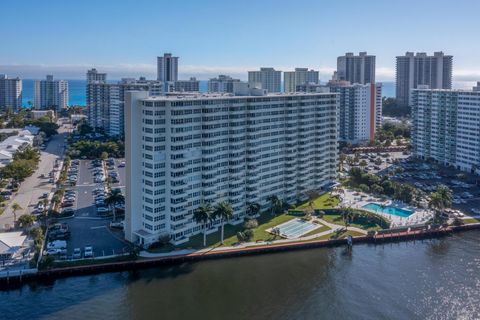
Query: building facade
[356, 69]
[301, 76]
[267, 78]
[106, 101]
[51, 94]
[10, 93]
[167, 68]
[189, 150]
[359, 111]
[414, 70]
[191, 85]
[446, 127]
[221, 84]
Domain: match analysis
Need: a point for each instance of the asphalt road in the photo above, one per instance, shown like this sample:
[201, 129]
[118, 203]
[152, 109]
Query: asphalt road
[33, 187]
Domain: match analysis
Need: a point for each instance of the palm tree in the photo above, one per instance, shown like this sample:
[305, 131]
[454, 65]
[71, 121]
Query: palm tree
[224, 211]
[253, 209]
[347, 214]
[274, 203]
[341, 160]
[114, 198]
[15, 208]
[202, 215]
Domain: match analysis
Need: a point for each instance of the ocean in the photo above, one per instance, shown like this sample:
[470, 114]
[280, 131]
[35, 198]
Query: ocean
[77, 91]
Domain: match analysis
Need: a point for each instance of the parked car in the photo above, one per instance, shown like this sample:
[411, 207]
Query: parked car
[116, 225]
[122, 164]
[102, 210]
[88, 252]
[57, 244]
[77, 253]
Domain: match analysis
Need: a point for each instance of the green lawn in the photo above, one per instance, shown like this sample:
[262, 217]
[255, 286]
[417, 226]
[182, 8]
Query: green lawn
[471, 220]
[265, 221]
[342, 236]
[337, 219]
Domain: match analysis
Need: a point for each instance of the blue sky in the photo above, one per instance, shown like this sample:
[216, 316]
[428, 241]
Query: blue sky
[123, 37]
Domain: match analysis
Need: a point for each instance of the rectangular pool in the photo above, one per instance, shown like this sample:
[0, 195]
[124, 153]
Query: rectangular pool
[296, 228]
[388, 210]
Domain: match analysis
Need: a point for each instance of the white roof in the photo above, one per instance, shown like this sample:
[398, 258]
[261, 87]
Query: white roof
[11, 241]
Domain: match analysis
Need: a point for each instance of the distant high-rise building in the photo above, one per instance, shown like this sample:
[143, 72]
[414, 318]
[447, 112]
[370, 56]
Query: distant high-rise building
[10, 93]
[267, 78]
[94, 76]
[105, 101]
[222, 83]
[167, 68]
[50, 93]
[356, 69]
[300, 76]
[414, 70]
[183, 151]
[446, 127]
[359, 110]
[192, 85]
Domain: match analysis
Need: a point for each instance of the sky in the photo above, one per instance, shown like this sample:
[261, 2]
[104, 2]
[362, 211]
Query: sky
[211, 37]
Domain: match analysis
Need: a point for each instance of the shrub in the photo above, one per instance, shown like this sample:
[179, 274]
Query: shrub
[248, 234]
[250, 224]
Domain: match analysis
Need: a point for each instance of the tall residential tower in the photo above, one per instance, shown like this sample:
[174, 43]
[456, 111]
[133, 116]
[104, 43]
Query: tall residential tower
[10, 93]
[356, 69]
[183, 151]
[267, 78]
[414, 70]
[51, 94]
[300, 76]
[167, 68]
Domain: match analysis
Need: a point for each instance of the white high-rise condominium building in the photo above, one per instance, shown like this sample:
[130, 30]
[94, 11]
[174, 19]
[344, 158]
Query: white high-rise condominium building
[356, 69]
[267, 78]
[10, 93]
[301, 76]
[167, 68]
[185, 151]
[221, 84]
[105, 101]
[51, 94]
[359, 111]
[414, 70]
[446, 127]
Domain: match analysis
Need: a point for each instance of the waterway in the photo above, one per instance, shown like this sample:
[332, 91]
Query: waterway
[430, 279]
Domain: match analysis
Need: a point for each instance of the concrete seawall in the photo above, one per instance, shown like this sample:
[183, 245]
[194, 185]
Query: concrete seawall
[52, 274]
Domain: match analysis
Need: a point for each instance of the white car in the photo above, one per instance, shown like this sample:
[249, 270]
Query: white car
[102, 209]
[88, 252]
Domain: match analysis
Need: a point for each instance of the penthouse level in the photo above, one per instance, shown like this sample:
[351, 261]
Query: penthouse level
[187, 150]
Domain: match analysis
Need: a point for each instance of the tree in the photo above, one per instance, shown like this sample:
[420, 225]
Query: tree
[363, 164]
[224, 211]
[26, 220]
[275, 203]
[15, 208]
[440, 199]
[347, 215]
[341, 161]
[114, 198]
[202, 215]
[253, 209]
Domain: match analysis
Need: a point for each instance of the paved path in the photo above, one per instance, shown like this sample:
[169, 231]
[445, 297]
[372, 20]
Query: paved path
[33, 187]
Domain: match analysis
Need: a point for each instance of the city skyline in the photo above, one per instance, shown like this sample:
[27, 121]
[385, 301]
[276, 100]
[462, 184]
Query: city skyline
[321, 40]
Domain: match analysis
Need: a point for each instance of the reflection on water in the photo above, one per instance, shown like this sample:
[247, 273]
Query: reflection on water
[435, 279]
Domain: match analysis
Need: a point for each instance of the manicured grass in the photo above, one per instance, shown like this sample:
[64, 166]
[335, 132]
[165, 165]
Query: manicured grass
[471, 220]
[325, 201]
[337, 219]
[265, 221]
[86, 262]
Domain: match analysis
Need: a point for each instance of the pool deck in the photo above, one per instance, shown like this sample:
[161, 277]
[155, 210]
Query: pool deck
[357, 200]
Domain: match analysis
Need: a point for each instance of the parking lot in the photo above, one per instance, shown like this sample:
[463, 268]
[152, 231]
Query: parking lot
[89, 227]
[375, 162]
[427, 176]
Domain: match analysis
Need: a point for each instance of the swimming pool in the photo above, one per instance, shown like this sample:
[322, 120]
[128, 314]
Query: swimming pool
[388, 210]
[296, 228]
